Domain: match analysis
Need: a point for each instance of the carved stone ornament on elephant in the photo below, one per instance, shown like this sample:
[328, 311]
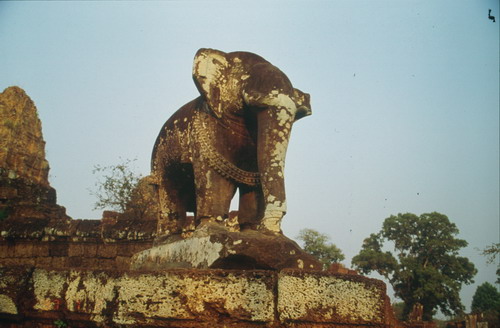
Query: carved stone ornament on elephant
[233, 136]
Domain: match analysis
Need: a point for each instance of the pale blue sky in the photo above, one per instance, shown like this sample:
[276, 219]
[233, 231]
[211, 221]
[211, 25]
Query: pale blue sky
[405, 98]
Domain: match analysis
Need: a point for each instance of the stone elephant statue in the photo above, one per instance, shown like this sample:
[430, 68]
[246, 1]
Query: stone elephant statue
[233, 136]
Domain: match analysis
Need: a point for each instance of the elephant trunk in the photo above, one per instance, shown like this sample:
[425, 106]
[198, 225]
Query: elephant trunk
[274, 128]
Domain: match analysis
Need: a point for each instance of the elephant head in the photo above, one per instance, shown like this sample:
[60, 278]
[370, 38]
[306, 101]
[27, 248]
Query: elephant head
[238, 83]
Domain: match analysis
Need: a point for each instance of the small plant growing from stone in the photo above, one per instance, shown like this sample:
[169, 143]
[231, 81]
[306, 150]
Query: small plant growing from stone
[120, 189]
[115, 185]
[60, 324]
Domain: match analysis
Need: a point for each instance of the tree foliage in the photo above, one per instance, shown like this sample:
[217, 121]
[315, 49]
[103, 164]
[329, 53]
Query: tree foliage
[317, 244]
[424, 266]
[492, 252]
[120, 189]
[398, 308]
[115, 185]
[485, 298]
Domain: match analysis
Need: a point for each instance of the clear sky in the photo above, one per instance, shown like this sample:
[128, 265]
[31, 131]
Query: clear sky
[405, 99]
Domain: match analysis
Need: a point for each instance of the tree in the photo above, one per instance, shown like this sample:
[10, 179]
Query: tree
[485, 298]
[424, 266]
[398, 308]
[317, 245]
[122, 190]
[115, 189]
[491, 252]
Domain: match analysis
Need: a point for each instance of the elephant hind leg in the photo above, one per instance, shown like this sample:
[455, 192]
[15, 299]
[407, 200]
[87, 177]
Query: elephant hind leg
[176, 198]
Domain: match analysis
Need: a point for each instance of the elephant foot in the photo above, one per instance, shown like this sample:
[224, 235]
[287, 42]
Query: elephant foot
[271, 224]
[210, 220]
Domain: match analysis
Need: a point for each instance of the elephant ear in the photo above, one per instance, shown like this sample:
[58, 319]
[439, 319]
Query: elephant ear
[210, 70]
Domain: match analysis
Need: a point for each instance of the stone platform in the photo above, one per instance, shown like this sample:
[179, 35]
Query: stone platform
[213, 246]
[35, 297]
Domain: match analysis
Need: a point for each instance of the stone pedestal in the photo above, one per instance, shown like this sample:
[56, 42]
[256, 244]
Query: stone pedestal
[191, 298]
[214, 247]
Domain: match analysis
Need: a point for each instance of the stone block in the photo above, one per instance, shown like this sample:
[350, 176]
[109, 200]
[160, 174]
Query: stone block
[126, 249]
[194, 298]
[58, 262]
[43, 262]
[76, 249]
[106, 251]
[151, 298]
[201, 295]
[18, 261]
[122, 263]
[13, 283]
[130, 248]
[6, 251]
[89, 263]
[105, 264]
[213, 246]
[58, 249]
[40, 249]
[23, 250]
[89, 249]
[76, 262]
[325, 297]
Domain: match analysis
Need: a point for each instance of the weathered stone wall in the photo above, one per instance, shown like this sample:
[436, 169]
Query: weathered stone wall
[25, 191]
[22, 148]
[87, 244]
[191, 298]
[59, 272]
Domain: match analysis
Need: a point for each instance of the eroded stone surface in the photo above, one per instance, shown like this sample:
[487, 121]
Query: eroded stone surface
[214, 246]
[143, 298]
[24, 187]
[193, 298]
[323, 297]
[21, 141]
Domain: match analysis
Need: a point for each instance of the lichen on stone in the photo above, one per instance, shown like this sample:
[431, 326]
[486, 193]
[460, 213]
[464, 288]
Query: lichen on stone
[311, 297]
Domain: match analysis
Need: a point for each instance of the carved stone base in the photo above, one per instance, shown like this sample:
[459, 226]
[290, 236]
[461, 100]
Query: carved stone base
[34, 297]
[214, 247]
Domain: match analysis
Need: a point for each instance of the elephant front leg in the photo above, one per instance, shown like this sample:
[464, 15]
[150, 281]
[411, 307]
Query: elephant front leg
[275, 124]
[251, 206]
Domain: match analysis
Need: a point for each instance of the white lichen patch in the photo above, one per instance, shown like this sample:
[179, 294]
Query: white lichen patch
[300, 264]
[218, 79]
[283, 101]
[271, 221]
[151, 296]
[275, 209]
[199, 252]
[7, 305]
[6, 280]
[181, 297]
[209, 66]
[169, 295]
[48, 287]
[89, 293]
[208, 176]
[328, 297]
[234, 293]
